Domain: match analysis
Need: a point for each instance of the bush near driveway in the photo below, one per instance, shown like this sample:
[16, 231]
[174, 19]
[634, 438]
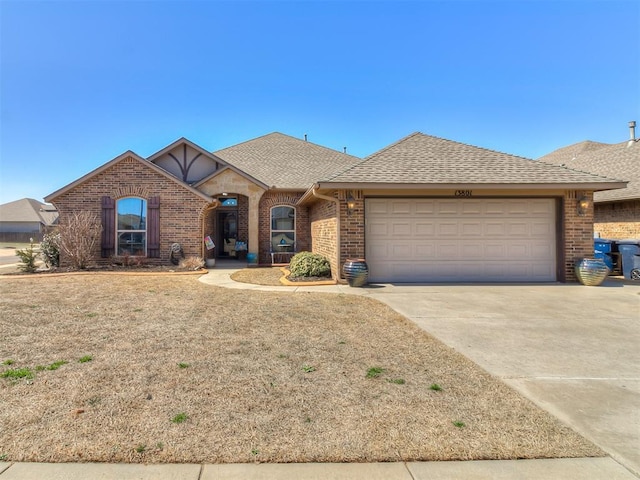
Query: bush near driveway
[272, 377]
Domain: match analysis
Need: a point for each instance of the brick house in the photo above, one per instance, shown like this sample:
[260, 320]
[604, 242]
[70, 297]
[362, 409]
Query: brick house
[616, 212]
[421, 209]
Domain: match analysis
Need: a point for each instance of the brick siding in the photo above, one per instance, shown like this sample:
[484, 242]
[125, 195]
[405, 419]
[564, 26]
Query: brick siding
[181, 212]
[577, 232]
[618, 220]
[352, 229]
[324, 234]
[272, 199]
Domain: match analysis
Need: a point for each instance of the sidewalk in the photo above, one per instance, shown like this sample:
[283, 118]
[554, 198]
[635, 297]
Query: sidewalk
[563, 468]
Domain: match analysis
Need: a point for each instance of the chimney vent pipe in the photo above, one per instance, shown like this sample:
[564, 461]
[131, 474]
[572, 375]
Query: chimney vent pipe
[305, 137]
[632, 132]
[345, 149]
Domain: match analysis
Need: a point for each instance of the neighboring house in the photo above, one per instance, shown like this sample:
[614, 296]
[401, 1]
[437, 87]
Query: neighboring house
[422, 209]
[617, 212]
[26, 218]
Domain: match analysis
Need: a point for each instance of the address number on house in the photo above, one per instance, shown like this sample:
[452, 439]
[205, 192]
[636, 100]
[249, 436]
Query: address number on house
[464, 193]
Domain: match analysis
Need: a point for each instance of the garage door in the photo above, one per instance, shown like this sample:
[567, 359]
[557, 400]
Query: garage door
[460, 240]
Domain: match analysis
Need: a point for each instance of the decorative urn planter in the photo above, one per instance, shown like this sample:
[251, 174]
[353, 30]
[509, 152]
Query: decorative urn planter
[356, 271]
[591, 271]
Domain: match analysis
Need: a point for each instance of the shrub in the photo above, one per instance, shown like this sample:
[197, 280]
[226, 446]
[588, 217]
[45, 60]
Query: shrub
[307, 264]
[192, 263]
[50, 250]
[28, 258]
[79, 233]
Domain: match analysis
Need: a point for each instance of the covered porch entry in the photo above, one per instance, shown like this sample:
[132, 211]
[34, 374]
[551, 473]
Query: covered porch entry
[233, 217]
[226, 225]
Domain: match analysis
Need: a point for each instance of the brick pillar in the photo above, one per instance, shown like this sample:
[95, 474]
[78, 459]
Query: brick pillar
[578, 231]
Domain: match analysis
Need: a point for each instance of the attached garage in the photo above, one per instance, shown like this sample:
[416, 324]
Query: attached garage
[461, 239]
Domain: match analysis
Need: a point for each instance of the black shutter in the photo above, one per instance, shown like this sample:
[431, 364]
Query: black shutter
[108, 226]
[153, 227]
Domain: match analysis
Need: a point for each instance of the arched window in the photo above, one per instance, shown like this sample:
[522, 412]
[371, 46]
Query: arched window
[131, 231]
[283, 228]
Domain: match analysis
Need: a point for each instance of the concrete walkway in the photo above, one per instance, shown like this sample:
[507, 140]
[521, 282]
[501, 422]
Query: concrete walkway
[565, 469]
[571, 349]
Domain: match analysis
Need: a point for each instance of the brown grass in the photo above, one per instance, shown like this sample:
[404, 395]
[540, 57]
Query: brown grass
[271, 377]
[259, 276]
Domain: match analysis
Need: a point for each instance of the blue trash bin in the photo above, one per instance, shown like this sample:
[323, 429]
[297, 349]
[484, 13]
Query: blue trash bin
[605, 250]
[630, 256]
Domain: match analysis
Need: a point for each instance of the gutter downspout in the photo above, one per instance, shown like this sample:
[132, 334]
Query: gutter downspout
[337, 202]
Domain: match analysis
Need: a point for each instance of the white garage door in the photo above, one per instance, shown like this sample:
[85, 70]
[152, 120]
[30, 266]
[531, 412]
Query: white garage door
[460, 240]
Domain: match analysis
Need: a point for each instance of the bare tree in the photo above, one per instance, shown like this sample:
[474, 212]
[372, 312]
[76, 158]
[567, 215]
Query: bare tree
[79, 233]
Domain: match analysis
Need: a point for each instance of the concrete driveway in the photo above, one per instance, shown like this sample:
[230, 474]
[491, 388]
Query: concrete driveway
[571, 349]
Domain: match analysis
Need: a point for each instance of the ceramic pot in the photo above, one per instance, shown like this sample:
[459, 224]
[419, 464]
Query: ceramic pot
[591, 271]
[356, 271]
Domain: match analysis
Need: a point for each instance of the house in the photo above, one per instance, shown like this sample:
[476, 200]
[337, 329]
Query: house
[421, 209]
[26, 218]
[617, 212]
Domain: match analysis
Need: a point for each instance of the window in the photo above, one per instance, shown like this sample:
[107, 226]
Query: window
[283, 229]
[131, 233]
[228, 201]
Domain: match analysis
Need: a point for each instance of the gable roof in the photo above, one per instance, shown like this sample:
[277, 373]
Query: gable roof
[119, 158]
[620, 160]
[285, 162]
[420, 160]
[220, 163]
[183, 141]
[28, 210]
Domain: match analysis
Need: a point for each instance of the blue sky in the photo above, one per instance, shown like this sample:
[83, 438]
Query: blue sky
[83, 81]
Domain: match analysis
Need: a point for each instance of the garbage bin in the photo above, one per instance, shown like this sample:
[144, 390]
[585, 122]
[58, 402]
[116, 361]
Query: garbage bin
[606, 250]
[630, 256]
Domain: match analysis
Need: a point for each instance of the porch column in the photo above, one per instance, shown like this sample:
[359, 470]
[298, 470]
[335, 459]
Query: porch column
[254, 223]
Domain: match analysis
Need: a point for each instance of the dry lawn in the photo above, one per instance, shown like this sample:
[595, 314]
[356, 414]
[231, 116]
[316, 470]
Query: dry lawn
[259, 276]
[267, 377]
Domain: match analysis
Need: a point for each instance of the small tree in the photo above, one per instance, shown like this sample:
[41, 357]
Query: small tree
[50, 250]
[28, 258]
[79, 234]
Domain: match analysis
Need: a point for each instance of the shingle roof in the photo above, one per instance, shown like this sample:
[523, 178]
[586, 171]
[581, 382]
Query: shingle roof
[562, 155]
[28, 210]
[619, 160]
[286, 162]
[424, 159]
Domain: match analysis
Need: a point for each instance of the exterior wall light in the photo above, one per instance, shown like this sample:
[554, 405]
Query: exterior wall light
[351, 204]
[583, 205]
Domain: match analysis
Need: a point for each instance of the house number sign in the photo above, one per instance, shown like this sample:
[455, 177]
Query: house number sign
[464, 193]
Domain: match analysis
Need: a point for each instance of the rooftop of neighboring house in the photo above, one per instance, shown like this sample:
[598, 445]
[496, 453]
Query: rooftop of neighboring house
[28, 210]
[618, 160]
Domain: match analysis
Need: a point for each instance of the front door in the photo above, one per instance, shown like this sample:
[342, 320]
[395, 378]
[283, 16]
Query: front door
[227, 233]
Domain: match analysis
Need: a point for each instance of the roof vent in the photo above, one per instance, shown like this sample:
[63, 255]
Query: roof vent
[345, 149]
[305, 137]
[632, 133]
